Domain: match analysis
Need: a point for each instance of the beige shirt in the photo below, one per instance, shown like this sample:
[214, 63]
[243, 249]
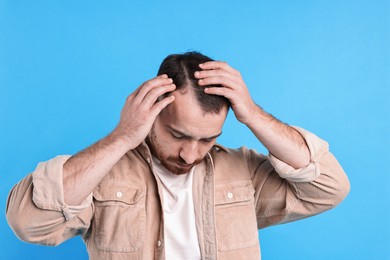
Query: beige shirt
[235, 192]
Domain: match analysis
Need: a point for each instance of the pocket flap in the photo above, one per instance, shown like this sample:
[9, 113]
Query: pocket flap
[233, 192]
[119, 192]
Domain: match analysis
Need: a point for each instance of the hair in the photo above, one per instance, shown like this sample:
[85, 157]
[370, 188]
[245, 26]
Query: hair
[181, 68]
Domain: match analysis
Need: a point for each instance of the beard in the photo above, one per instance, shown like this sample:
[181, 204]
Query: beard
[174, 164]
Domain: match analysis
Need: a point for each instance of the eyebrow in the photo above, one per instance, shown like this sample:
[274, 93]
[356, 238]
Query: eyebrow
[186, 135]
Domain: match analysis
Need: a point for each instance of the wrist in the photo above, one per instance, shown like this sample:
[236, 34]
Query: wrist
[119, 137]
[257, 116]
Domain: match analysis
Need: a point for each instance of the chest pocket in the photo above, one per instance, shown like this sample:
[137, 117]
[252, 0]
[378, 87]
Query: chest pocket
[120, 218]
[235, 216]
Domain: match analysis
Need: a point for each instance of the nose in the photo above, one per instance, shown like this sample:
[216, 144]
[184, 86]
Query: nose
[189, 152]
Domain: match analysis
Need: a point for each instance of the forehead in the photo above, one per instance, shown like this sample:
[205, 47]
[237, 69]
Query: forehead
[185, 115]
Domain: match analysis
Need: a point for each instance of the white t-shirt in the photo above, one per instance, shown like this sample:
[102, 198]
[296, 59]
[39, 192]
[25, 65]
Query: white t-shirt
[181, 238]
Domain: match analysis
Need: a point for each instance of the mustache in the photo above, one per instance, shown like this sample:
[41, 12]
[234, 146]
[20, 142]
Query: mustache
[181, 161]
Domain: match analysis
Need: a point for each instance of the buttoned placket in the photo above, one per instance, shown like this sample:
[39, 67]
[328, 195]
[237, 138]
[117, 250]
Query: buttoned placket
[159, 252]
[208, 218]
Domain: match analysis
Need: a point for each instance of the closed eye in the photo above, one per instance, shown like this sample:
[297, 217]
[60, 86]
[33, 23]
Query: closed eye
[207, 140]
[178, 136]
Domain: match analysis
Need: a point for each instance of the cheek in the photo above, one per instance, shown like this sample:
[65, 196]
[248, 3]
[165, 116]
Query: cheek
[170, 147]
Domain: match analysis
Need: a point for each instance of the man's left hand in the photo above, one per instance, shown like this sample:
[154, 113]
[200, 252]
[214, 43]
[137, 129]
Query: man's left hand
[233, 88]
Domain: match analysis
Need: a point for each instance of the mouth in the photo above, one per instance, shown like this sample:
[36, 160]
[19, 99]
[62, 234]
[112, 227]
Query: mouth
[179, 163]
[184, 166]
[180, 168]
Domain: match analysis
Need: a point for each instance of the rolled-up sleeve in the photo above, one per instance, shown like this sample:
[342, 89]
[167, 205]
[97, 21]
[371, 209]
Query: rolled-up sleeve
[36, 211]
[48, 192]
[285, 194]
[317, 148]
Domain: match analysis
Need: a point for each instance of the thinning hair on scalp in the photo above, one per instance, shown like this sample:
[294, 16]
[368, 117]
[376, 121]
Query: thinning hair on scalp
[181, 68]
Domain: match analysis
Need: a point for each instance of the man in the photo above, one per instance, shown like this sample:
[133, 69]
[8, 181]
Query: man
[159, 187]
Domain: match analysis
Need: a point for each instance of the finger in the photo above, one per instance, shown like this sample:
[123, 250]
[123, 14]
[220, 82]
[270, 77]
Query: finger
[160, 105]
[151, 84]
[209, 73]
[139, 87]
[147, 85]
[216, 73]
[218, 65]
[224, 81]
[225, 92]
[152, 96]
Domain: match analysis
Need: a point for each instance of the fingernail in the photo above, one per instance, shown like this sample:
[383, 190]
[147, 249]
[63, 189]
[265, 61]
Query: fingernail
[196, 73]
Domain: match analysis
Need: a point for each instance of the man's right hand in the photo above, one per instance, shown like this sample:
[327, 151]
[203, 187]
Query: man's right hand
[84, 171]
[141, 109]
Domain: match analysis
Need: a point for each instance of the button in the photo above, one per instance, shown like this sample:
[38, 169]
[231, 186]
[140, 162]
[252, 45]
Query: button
[230, 195]
[119, 194]
[159, 243]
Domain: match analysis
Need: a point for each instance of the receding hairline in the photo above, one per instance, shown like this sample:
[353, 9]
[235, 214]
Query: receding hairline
[190, 91]
[181, 67]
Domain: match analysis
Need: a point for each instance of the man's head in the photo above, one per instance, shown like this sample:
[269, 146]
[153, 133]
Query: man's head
[186, 130]
[181, 68]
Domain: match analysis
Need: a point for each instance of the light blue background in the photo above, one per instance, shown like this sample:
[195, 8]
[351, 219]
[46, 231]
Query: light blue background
[66, 68]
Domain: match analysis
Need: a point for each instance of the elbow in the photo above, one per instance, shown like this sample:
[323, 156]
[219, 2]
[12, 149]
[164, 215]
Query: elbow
[19, 222]
[29, 230]
[334, 182]
[18, 218]
[337, 191]
[29, 223]
[20, 226]
[342, 191]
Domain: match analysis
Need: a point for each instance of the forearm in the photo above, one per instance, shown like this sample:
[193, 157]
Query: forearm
[281, 140]
[38, 216]
[301, 196]
[83, 171]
